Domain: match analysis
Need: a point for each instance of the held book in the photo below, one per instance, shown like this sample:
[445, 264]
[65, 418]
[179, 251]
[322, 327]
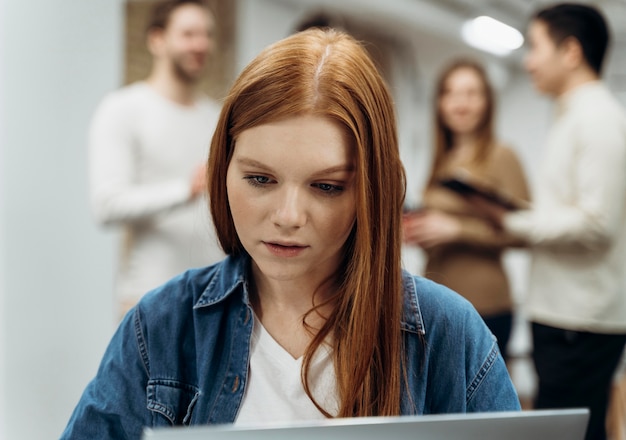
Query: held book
[466, 184]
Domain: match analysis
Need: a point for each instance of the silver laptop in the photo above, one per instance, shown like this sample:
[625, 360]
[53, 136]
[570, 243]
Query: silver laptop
[569, 424]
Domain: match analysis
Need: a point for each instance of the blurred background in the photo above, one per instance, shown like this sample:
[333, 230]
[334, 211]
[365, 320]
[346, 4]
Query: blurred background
[59, 57]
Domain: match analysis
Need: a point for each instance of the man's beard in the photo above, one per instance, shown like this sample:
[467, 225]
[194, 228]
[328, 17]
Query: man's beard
[185, 75]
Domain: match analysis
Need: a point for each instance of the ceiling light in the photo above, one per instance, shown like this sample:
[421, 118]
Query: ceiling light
[491, 35]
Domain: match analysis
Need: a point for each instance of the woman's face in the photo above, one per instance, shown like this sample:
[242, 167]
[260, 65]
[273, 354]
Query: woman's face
[463, 103]
[291, 189]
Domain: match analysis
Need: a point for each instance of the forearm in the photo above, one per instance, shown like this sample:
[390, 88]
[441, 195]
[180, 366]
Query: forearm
[120, 189]
[482, 233]
[569, 227]
[118, 204]
[588, 218]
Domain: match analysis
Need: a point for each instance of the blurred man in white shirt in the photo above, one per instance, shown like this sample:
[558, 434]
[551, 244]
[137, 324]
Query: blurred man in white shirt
[577, 225]
[148, 144]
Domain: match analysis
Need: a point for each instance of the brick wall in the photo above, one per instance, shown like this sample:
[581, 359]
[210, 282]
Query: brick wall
[220, 70]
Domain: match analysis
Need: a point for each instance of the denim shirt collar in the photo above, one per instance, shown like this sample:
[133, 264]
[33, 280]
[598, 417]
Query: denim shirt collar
[411, 314]
[234, 271]
[231, 273]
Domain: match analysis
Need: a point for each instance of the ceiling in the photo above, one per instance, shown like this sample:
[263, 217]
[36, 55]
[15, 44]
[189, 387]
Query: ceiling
[440, 21]
[516, 12]
[444, 18]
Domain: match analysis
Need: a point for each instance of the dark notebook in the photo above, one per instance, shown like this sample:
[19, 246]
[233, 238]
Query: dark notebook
[465, 184]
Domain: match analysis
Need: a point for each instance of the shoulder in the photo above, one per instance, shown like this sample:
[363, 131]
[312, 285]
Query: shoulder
[598, 122]
[429, 306]
[181, 294]
[457, 352]
[131, 92]
[194, 288]
[600, 94]
[428, 291]
[124, 101]
[595, 103]
[504, 155]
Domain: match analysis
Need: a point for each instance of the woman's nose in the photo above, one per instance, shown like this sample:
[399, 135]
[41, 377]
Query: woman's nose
[290, 209]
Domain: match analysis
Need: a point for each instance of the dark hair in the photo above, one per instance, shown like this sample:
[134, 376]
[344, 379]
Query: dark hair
[162, 11]
[584, 23]
[317, 21]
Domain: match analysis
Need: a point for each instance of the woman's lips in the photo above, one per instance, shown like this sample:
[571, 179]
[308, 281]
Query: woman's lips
[284, 250]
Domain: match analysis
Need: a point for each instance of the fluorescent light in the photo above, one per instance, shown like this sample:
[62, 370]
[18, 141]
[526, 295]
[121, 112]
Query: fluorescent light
[491, 35]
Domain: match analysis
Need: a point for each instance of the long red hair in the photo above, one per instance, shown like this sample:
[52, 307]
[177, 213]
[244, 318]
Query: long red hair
[327, 73]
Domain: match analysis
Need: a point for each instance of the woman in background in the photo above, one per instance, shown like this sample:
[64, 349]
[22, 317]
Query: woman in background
[463, 249]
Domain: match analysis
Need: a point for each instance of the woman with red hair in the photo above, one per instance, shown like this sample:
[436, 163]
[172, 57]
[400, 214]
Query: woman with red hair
[311, 315]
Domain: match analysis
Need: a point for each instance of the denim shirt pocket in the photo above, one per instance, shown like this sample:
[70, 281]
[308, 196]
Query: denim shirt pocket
[172, 399]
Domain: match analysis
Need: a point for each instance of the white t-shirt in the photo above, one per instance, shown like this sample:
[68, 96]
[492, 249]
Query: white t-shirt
[143, 150]
[274, 392]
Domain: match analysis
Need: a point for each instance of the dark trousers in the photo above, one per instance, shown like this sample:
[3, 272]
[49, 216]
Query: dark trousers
[500, 326]
[575, 369]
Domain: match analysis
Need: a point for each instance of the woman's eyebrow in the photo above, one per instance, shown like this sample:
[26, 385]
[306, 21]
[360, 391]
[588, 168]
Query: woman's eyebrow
[336, 169]
[347, 167]
[252, 163]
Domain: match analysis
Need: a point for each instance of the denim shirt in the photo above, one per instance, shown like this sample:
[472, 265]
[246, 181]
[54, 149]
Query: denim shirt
[181, 357]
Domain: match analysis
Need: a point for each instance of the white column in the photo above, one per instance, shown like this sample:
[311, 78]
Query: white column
[57, 59]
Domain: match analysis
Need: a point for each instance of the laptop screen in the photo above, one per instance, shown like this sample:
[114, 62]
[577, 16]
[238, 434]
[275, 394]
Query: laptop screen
[568, 424]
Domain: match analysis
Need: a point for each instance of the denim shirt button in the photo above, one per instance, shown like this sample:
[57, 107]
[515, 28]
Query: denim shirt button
[235, 384]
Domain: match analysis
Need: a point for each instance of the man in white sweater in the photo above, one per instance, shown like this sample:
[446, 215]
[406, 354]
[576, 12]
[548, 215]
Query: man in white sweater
[148, 144]
[577, 226]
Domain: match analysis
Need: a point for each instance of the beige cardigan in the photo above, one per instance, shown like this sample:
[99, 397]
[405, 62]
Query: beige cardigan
[472, 265]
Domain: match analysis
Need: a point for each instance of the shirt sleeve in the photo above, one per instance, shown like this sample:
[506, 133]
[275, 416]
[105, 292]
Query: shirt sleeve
[595, 214]
[116, 196]
[113, 405]
[482, 233]
[492, 388]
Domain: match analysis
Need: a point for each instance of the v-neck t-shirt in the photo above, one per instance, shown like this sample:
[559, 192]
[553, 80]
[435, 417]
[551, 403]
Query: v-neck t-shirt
[275, 393]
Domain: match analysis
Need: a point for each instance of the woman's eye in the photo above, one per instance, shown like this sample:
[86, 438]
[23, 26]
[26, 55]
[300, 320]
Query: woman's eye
[328, 188]
[257, 180]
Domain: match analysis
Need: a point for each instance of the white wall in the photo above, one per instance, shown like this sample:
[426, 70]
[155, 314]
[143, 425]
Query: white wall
[260, 23]
[2, 236]
[58, 59]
